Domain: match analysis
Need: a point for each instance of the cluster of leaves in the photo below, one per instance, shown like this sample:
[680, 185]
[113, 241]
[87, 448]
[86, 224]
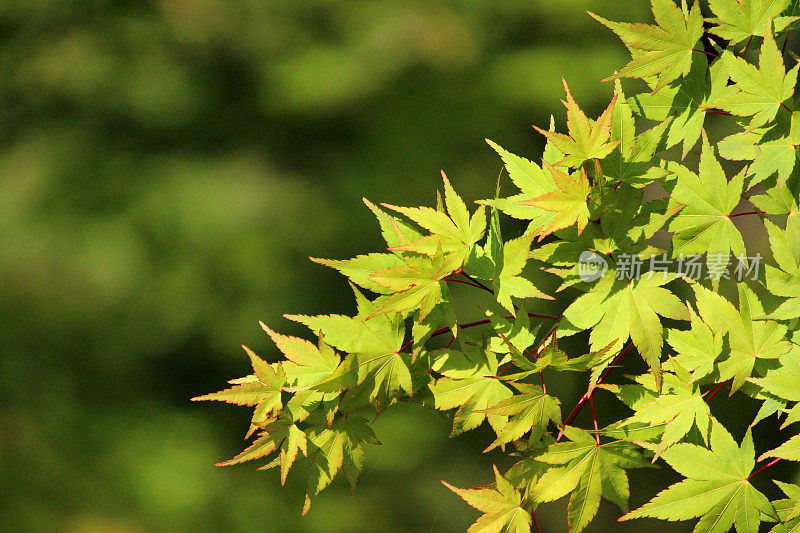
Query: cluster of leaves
[588, 195]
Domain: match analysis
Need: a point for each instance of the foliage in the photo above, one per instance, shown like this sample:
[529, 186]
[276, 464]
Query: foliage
[406, 343]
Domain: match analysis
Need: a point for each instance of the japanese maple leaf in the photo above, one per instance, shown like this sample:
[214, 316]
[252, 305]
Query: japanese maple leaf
[532, 181]
[663, 51]
[717, 487]
[788, 509]
[532, 410]
[686, 102]
[750, 340]
[698, 348]
[373, 347]
[678, 408]
[632, 162]
[569, 201]
[418, 283]
[470, 384]
[278, 435]
[306, 365]
[617, 310]
[736, 20]
[335, 447]
[761, 91]
[772, 150]
[261, 389]
[704, 225]
[590, 470]
[785, 280]
[502, 263]
[503, 507]
[586, 140]
[454, 232]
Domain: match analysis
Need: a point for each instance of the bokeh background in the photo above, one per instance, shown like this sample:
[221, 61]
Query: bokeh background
[166, 168]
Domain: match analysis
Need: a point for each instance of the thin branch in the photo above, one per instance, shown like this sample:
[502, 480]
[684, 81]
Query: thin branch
[785, 40]
[714, 390]
[535, 523]
[743, 214]
[709, 54]
[746, 46]
[718, 112]
[476, 282]
[594, 419]
[589, 393]
[769, 464]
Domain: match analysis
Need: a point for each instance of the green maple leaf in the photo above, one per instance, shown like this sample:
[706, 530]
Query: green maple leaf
[470, 384]
[678, 408]
[501, 264]
[788, 509]
[762, 91]
[698, 348]
[454, 233]
[590, 470]
[717, 488]
[503, 507]
[532, 410]
[360, 269]
[532, 181]
[663, 51]
[569, 202]
[262, 389]
[789, 450]
[750, 340]
[617, 310]
[418, 283]
[334, 448]
[779, 198]
[785, 280]
[736, 20]
[686, 102]
[586, 139]
[305, 366]
[633, 162]
[772, 150]
[373, 348]
[704, 226]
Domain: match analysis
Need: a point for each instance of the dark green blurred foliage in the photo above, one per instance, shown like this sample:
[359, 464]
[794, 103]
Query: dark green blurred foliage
[166, 169]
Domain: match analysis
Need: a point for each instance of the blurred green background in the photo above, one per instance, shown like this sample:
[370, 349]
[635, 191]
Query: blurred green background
[168, 166]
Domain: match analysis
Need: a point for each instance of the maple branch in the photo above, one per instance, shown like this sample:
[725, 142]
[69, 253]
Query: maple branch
[535, 523]
[714, 390]
[577, 409]
[746, 46]
[718, 112]
[594, 419]
[709, 54]
[785, 40]
[743, 214]
[465, 282]
[769, 464]
[476, 282]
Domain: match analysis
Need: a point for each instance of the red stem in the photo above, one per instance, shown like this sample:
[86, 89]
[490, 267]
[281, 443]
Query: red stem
[746, 46]
[743, 214]
[476, 282]
[769, 464]
[704, 52]
[718, 112]
[714, 390]
[535, 523]
[577, 409]
[594, 419]
[535, 351]
[785, 40]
